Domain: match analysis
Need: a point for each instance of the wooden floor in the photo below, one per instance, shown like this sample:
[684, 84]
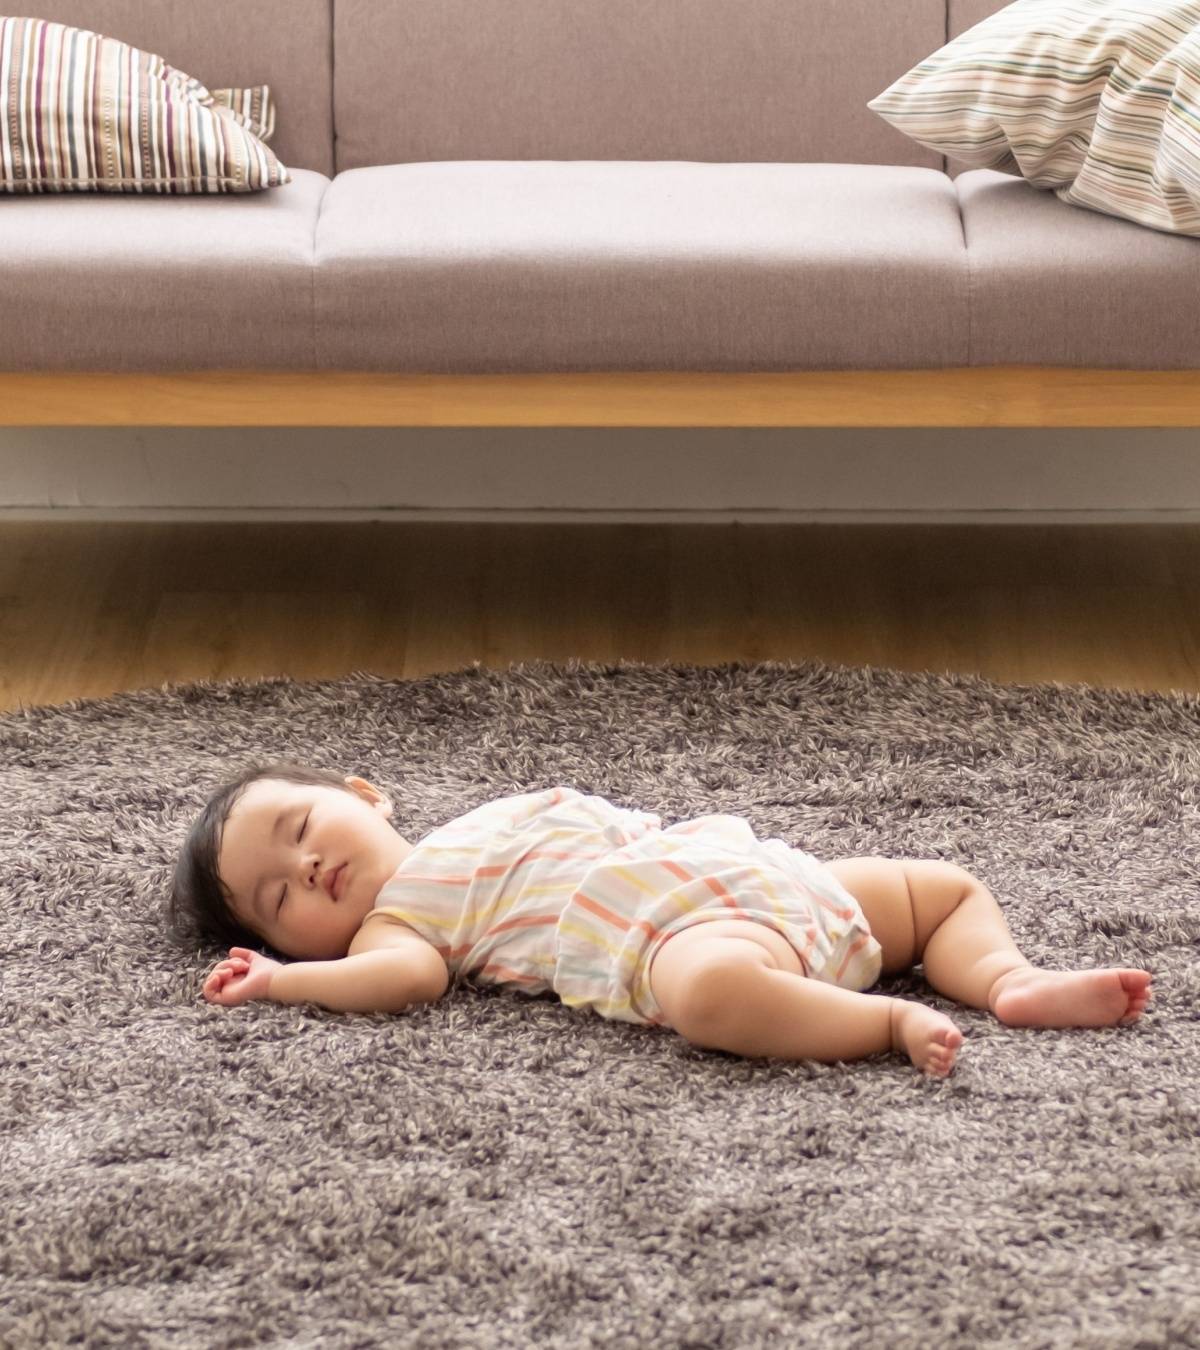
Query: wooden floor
[87, 609]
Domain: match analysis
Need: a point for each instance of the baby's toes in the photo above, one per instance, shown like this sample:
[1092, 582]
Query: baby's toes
[1136, 1007]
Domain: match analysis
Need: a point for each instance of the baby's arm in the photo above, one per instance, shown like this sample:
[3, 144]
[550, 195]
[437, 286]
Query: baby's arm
[380, 980]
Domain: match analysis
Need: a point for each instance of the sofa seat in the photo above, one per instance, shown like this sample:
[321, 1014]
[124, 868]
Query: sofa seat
[136, 283]
[500, 266]
[1060, 285]
[496, 266]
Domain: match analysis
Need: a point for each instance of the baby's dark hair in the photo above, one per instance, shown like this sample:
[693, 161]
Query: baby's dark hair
[199, 907]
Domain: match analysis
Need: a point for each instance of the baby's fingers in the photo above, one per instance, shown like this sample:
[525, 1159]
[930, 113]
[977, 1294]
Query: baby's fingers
[221, 989]
[217, 978]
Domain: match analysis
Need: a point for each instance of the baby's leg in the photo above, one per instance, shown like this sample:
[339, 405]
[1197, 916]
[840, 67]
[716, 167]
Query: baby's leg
[727, 993]
[936, 912]
[970, 956]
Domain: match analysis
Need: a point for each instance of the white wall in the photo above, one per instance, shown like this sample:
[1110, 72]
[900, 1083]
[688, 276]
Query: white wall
[604, 475]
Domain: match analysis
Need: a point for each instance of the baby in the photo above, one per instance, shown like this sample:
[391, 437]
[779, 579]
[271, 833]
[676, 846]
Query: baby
[739, 944]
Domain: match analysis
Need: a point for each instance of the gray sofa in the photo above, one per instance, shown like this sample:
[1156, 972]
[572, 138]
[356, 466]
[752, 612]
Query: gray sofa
[598, 212]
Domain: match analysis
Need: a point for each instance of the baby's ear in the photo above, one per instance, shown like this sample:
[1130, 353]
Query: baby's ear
[381, 802]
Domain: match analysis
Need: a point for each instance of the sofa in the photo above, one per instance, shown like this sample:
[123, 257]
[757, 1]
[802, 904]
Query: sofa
[584, 213]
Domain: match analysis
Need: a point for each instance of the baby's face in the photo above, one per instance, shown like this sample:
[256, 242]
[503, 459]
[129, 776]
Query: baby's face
[281, 843]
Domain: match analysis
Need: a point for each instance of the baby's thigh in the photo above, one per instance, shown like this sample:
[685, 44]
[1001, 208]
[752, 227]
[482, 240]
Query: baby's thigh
[881, 889]
[690, 956]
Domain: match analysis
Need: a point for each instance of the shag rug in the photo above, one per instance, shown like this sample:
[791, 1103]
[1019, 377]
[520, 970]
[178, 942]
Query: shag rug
[496, 1170]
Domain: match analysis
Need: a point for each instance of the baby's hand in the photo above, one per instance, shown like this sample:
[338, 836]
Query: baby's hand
[242, 976]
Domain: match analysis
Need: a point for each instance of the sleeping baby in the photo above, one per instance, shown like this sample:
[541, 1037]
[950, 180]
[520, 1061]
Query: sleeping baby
[749, 946]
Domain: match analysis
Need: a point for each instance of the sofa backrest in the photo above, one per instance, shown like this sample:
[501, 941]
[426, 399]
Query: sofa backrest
[410, 80]
[232, 44]
[740, 80]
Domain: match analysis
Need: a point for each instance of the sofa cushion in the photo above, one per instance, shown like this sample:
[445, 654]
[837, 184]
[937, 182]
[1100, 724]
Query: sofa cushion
[100, 282]
[229, 44]
[497, 266]
[1097, 101]
[82, 112]
[1052, 285]
[727, 81]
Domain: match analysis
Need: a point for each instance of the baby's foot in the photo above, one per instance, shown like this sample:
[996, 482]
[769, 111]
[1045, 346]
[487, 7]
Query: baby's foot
[1028, 997]
[929, 1038]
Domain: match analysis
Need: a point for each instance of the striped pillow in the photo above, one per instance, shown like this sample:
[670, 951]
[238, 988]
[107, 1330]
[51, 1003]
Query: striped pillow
[1098, 100]
[80, 112]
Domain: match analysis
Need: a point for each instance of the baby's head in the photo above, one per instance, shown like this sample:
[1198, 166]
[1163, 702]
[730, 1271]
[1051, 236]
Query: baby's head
[257, 863]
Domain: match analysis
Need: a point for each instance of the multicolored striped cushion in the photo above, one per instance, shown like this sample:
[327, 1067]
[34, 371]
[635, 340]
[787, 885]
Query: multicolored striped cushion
[80, 112]
[1098, 100]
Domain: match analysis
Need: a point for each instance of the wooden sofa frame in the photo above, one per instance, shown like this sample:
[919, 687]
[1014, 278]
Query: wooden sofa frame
[973, 396]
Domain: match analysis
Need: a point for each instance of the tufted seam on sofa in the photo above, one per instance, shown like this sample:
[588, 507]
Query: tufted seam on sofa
[312, 273]
[962, 220]
[333, 166]
[945, 40]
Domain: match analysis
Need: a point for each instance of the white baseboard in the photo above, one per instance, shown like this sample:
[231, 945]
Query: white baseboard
[603, 476]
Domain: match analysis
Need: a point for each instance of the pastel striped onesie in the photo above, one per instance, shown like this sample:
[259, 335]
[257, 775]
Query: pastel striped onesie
[563, 892]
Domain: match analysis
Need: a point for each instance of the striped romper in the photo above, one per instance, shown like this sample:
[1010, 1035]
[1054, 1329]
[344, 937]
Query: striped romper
[563, 892]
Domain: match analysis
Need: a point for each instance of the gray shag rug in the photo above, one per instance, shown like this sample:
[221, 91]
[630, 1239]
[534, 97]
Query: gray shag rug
[494, 1170]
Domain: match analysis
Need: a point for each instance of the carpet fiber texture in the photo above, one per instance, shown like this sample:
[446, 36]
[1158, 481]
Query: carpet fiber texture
[496, 1170]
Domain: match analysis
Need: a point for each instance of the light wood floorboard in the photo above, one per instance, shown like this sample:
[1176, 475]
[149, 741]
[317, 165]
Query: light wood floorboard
[90, 609]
